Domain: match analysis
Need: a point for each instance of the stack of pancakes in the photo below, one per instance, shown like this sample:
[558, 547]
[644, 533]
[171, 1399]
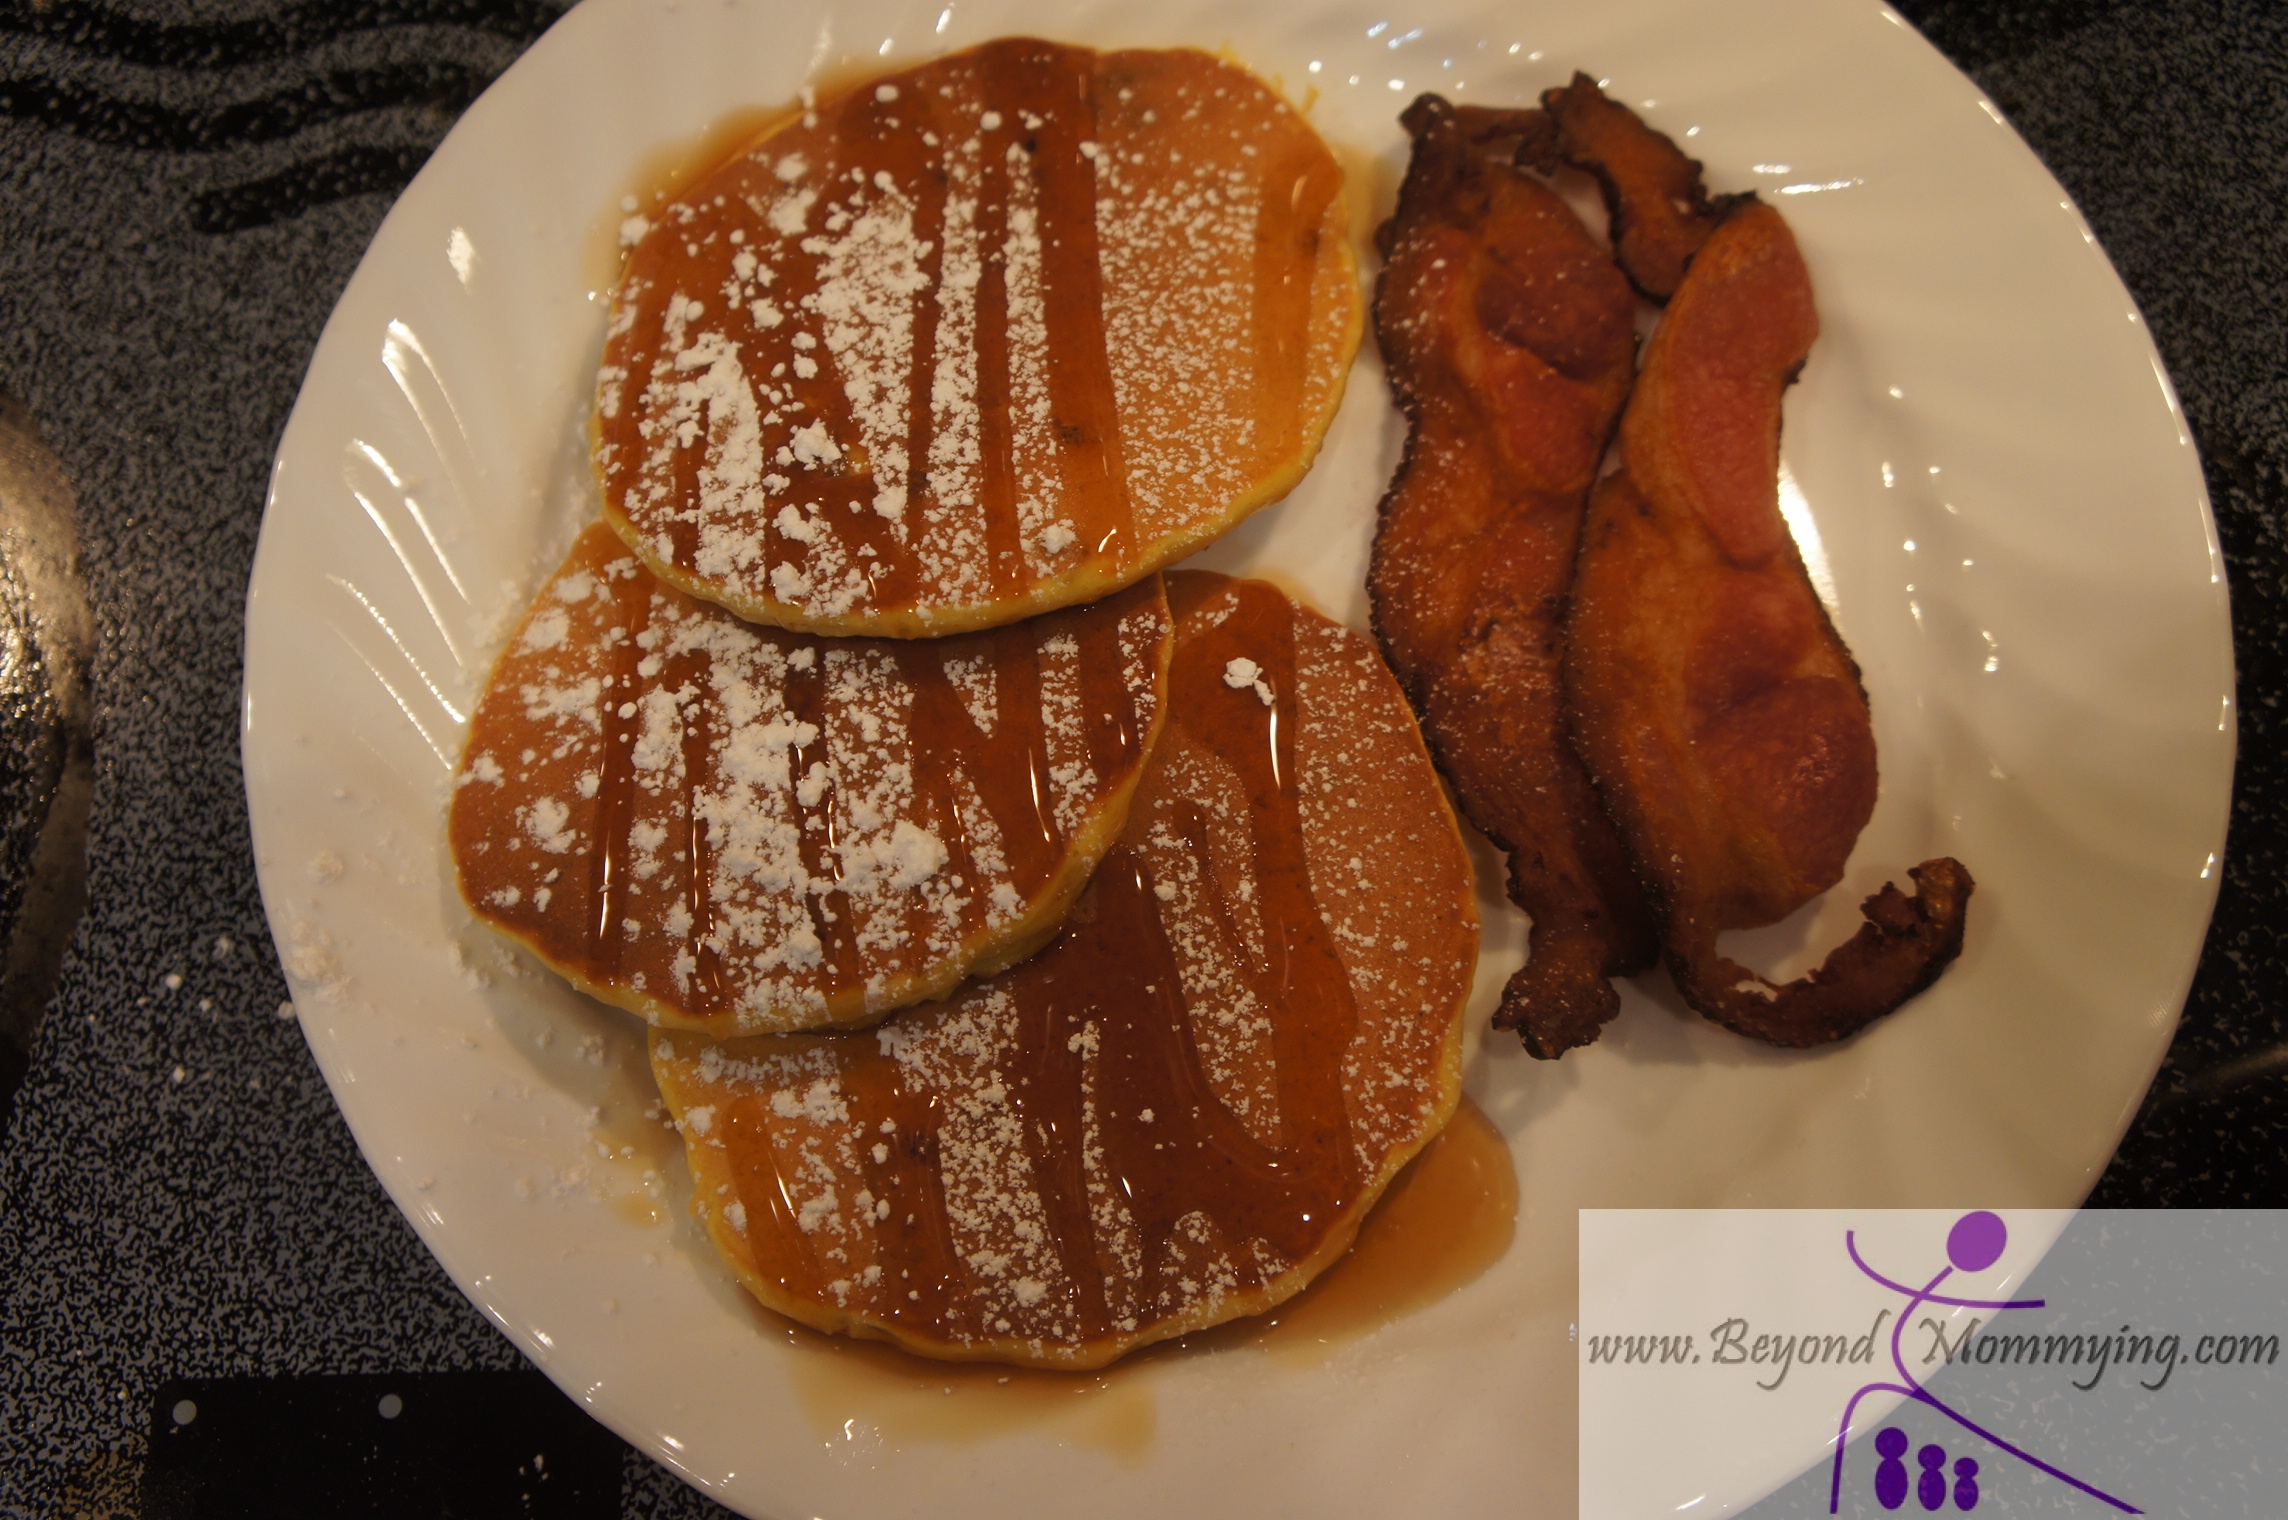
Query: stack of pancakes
[865, 705]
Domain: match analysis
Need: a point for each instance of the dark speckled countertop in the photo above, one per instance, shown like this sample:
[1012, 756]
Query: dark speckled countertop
[186, 185]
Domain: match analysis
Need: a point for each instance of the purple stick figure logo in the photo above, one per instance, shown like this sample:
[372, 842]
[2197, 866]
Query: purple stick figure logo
[1974, 1244]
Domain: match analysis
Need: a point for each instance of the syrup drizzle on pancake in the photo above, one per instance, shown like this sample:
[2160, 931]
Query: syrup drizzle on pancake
[990, 335]
[1177, 1113]
[741, 828]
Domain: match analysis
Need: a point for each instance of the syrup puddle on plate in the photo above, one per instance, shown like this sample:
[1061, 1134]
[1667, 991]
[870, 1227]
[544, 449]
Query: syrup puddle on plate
[639, 1208]
[1445, 1219]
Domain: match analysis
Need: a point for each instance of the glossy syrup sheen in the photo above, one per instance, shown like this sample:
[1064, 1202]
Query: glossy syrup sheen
[664, 173]
[638, 757]
[1446, 1218]
[1009, 412]
[1443, 1221]
[1048, 1168]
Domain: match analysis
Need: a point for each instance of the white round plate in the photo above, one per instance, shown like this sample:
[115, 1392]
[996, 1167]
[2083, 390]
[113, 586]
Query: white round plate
[1988, 471]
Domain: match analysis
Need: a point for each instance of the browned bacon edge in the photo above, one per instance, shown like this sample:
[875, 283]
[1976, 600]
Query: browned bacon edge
[1662, 218]
[1509, 340]
[1900, 950]
[1661, 213]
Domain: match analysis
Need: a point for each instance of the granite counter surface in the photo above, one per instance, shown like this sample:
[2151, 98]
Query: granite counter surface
[184, 190]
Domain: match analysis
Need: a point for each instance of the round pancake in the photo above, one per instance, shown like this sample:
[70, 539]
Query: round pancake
[996, 334]
[739, 829]
[1179, 1112]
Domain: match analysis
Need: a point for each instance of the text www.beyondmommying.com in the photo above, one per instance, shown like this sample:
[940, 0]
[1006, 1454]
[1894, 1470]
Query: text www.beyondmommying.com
[1734, 1343]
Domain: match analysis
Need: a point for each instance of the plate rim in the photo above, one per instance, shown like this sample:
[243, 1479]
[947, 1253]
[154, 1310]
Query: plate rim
[436, 173]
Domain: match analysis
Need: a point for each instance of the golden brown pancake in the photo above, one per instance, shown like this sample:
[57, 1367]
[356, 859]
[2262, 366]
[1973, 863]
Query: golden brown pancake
[993, 335]
[1179, 1112]
[734, 828]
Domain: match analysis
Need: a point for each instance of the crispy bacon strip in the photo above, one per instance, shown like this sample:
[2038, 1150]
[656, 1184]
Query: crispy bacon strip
[1660, 211]
[1709, 694]
[1509, 340]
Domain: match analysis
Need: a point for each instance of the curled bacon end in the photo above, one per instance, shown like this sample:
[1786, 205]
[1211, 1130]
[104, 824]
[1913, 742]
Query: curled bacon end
[1901, 948]
[1661, 213]
[1562, 998]
[1710, 696]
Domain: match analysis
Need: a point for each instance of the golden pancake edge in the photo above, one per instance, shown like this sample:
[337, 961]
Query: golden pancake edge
[999, 333]
[729, 827]
[1176, 1114]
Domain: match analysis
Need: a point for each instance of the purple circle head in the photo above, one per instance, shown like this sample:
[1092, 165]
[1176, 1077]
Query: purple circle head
[1891, 1442]
[1976, 1241]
